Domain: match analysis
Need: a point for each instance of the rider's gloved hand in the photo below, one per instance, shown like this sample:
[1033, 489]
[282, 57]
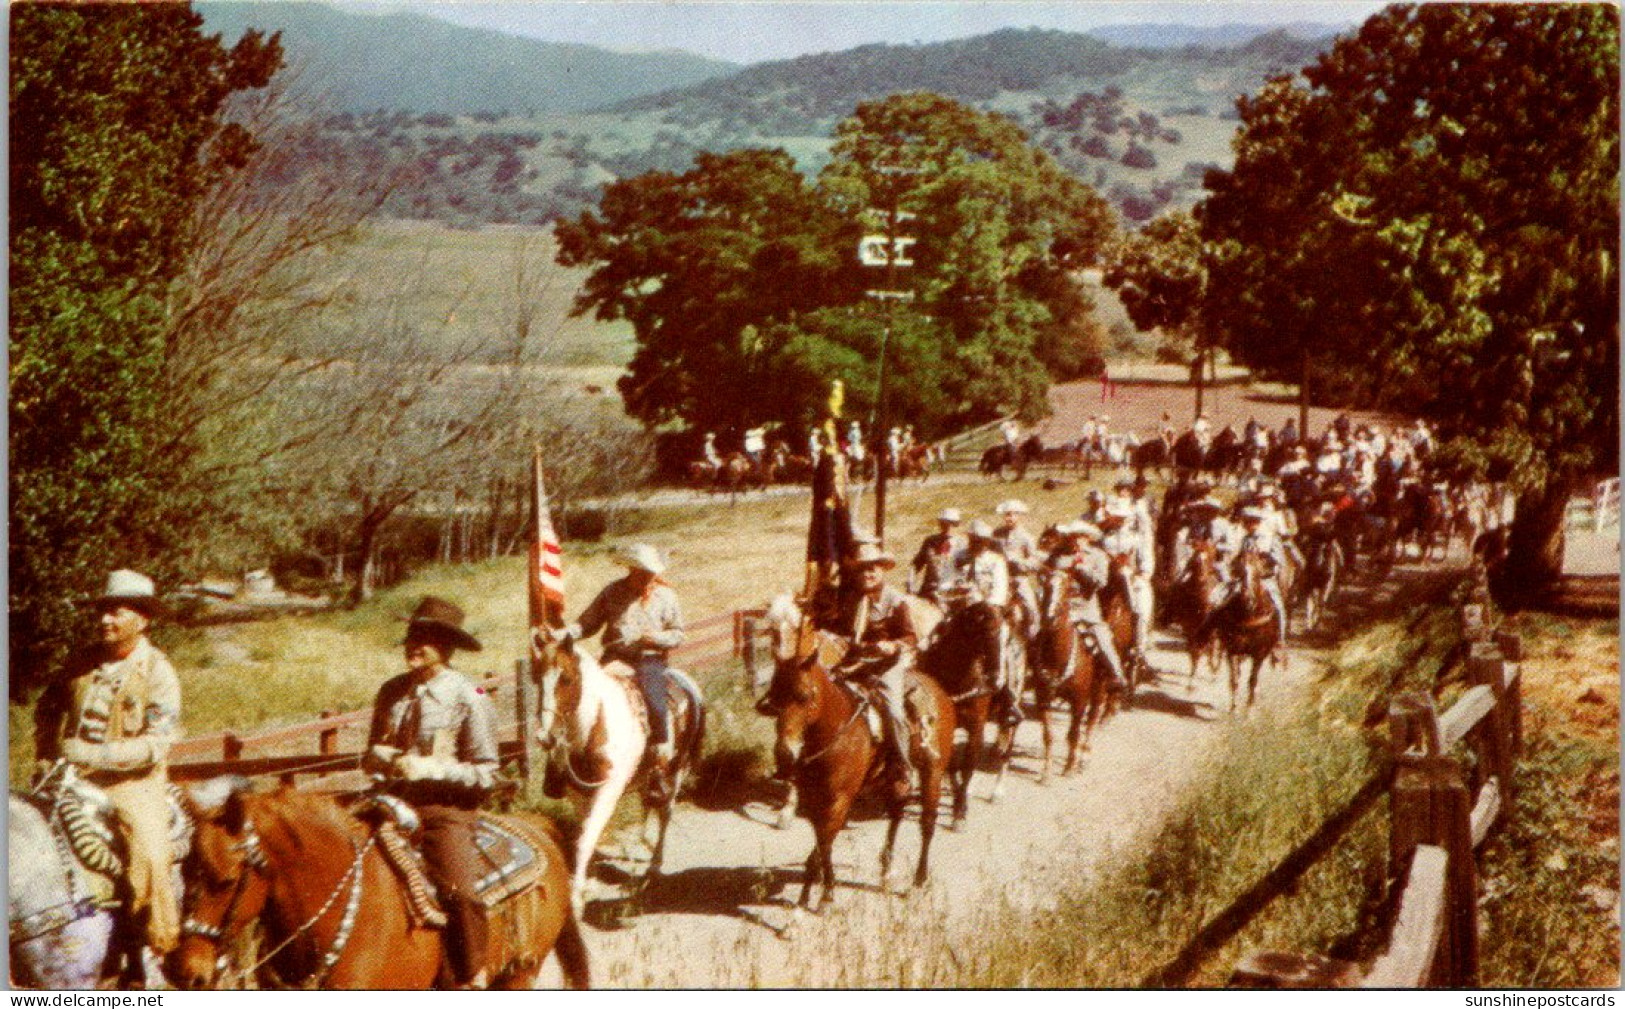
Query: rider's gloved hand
[379, 758]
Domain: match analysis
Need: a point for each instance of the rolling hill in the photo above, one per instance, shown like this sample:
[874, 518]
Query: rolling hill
[364, 62]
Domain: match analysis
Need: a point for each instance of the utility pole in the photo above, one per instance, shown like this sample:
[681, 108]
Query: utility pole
[891, 251]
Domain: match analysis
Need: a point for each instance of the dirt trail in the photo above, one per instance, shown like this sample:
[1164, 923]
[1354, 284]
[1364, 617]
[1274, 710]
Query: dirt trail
[723, 915]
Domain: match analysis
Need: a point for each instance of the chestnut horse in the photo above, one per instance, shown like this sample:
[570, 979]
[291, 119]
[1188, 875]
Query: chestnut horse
[335, 915]
[1067, 670]
[1190, 604]
[1246, 625]
[828, 746]
[591, 717]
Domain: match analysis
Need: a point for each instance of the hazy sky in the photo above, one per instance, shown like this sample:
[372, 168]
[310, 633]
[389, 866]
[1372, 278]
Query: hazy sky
[749, 32]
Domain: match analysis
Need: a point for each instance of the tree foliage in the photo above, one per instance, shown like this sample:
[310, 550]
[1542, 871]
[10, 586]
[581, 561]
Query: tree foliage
[742, 283]
[1161, 275]
[117, 130]
[1434, 216]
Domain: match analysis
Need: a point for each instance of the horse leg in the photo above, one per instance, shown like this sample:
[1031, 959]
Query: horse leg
[788, 808]
[1234, 662]
[1041, 696]
[601, 807]
[1078, 711]
[930, 792]
[970, 758]
[1004, 744]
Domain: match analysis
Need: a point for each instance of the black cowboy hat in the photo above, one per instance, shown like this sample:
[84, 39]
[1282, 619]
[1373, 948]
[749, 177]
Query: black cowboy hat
[437, 619]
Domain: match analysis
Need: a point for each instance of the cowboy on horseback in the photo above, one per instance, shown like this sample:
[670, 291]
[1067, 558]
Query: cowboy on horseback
[1204, 523]
[713, 458]
[986, 574]
[1134, 550]
[1090, 568]
[1262, 540]
[113, 719]
[642, 622]
[1021, 551]
[877, 620]
[433, 744]
[936, 564]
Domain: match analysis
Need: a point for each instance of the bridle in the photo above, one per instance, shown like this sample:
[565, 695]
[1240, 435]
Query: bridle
[254, 859]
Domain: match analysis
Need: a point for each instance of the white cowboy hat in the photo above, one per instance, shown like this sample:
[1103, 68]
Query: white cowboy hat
[1080, 528]
[129, 588]
[950, 515]
[643, 557]
[1205, 502]
[1014, 506]
[981, 530]
[1251, 514]
[870, 554]
[1118, 510]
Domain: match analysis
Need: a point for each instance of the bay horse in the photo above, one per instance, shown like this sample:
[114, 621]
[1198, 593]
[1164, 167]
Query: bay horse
[1065, 669]
[963, 656]
[1322, 568]
[827, 745]
[1246, 626]
[1190, 604]
[592, 719]
[334, 912]
[998, 457]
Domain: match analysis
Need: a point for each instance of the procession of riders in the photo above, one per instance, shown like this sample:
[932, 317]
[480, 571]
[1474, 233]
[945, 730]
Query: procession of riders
[765, 454]
[109, 723]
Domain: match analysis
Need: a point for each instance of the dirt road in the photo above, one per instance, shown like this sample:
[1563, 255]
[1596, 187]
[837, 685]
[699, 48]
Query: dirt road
[723, 914]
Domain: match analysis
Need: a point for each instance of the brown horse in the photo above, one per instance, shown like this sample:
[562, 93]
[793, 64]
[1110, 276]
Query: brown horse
[1190, 604]
[1246, 625]
[963, 656]
[1065, 670]
[826, 743]
[335, 915]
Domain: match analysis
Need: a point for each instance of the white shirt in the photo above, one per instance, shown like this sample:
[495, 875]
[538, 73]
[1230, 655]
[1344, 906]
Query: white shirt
[990, 577]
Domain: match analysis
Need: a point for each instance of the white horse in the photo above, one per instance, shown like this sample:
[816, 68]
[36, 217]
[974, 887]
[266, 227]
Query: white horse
[594, 715]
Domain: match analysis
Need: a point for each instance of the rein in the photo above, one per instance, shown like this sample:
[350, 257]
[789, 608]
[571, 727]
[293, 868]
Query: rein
[857, 712]
[352, 908]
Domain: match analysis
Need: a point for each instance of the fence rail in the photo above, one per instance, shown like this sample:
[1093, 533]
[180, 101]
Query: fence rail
[329, 747]
[1442, 809]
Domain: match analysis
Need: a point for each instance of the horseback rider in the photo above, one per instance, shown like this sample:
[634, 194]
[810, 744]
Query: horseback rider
[1204, 523]
[877, 620]
[756, 446]
[935, 567]
[1094, 506]
[113, 719]
[1121, 540]
[712, 457]
[986, 573]
[854, 444]
[642, 622]
[433, 744]
[1090, 568]
[1021, 551]
[1262, 539]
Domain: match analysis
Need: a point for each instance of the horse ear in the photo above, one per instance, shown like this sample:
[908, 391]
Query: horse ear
[205, 800]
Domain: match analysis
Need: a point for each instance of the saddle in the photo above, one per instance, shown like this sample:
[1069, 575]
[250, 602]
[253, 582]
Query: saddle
[85, 816]
[865, 691]
[510, 848]
[679, 689]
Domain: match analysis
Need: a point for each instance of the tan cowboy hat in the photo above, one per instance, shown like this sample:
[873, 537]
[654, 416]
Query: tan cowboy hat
[950, 515]
[437, 617]
[1014, 506]
[643, 557]
[871, 555]
[129, 588]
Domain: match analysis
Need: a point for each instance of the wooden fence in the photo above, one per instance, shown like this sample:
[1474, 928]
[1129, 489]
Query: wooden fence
[329, 748]
[1450, 782]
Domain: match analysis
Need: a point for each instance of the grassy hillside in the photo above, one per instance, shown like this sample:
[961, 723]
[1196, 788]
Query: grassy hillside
[362, 62]
[1140, 124]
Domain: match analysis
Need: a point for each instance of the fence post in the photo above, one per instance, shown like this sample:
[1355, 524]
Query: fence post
[524, 695]
[1431, 805]
[1511, 646]
[1492, 735]
[231, 747]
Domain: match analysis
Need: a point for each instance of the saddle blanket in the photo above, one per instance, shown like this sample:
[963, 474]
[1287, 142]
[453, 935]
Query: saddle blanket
[510, 850]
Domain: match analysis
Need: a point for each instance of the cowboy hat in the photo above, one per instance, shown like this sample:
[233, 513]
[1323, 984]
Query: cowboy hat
[1251, 514]
[1205, 502]
[129, 588]
[435, 617]
[871, 555]
[950, 515]
[1119, 511]
[643, 557]
[1014, 506]
[980, 530]
[1081, 528]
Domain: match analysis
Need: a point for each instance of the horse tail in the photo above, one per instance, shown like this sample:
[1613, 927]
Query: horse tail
[572, 954]
[695, 740]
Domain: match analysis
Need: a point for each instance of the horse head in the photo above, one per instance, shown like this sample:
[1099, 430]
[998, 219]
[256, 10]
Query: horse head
[559, 681]
[801, 660]
[227, 876]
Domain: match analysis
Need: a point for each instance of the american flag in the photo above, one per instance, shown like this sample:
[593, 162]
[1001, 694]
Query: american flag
[546, 558]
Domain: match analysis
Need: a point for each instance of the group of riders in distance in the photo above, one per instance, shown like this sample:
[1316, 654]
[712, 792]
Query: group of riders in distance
[411, 884]
[766, 456]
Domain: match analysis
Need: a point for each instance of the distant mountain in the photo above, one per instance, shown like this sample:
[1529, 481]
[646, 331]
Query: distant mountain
[1175, 36]
[406, 61]
[809, 92]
